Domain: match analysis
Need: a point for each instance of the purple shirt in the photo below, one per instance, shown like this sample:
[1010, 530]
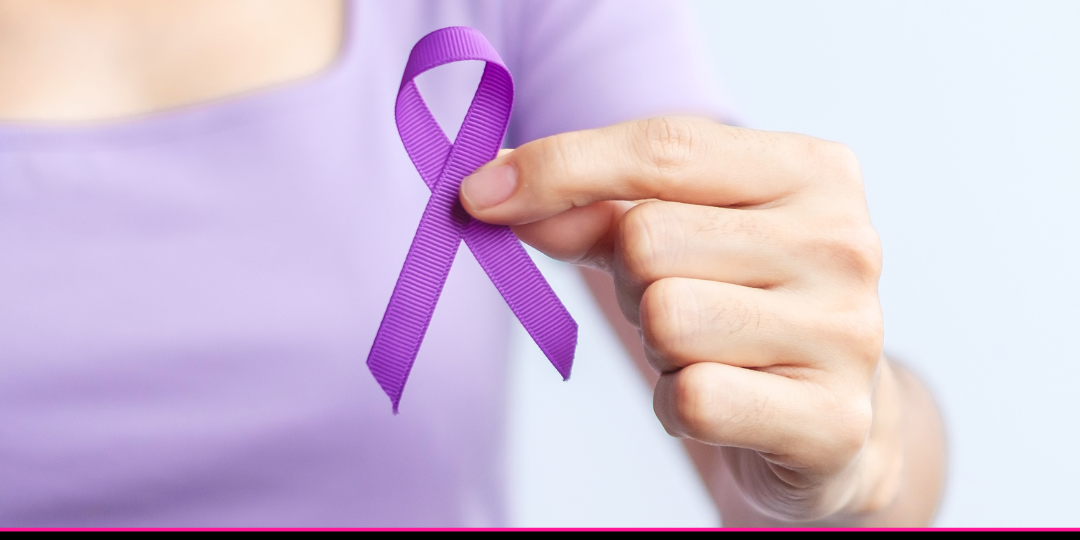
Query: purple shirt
[187, 298]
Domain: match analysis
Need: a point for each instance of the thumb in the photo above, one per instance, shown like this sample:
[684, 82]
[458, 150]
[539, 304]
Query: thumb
[579, 235]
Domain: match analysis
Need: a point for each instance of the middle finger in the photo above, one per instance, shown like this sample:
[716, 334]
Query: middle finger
[660, 239]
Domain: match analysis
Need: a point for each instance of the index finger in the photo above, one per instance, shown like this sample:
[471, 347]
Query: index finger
[689, 160]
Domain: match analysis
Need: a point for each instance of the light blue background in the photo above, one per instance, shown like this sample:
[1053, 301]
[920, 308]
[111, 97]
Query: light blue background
[965, 117]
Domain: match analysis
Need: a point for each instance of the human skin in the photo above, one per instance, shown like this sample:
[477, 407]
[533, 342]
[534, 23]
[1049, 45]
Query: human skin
[751, 271]
[84, 60]
[746, 262]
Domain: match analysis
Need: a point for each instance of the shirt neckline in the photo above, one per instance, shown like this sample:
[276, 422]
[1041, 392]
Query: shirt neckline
[189, 118]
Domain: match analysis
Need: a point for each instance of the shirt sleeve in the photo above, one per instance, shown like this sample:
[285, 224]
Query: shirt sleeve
[581, 64]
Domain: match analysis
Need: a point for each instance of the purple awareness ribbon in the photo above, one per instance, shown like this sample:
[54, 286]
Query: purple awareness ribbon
[443, 165]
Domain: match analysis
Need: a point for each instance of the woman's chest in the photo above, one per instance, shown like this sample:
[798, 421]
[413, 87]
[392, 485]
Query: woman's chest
[252, 260]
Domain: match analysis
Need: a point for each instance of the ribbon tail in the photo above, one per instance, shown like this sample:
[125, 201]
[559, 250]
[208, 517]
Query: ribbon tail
[525, 290]
[416, 293]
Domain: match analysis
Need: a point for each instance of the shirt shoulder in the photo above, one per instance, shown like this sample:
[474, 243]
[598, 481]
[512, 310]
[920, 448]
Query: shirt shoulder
[580, 64]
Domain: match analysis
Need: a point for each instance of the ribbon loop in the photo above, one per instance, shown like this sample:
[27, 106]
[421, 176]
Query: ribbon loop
[442, 165]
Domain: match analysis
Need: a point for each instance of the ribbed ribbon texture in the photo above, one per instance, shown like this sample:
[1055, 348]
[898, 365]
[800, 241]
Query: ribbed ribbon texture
[444, 224]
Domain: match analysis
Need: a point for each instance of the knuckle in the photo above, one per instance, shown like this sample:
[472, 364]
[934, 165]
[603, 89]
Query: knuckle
[852, 337]
[854, 331]
[842, 158]
[837, 160]
[865, 342]
[668, 319]
[643, 236]
[864, 335]
[852, 420]
[856, 250]
[668, 144]
[695, 404]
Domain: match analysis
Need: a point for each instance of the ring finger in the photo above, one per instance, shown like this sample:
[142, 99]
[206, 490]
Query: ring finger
[661, 239]
[689, 321]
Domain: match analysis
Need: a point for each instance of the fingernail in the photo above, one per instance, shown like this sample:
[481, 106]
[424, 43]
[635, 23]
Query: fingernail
[489, 187]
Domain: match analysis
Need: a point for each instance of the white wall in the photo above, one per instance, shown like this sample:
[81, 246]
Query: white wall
[966, 118]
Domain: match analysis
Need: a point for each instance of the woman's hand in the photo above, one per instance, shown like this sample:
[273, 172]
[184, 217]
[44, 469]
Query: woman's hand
[749, 264]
